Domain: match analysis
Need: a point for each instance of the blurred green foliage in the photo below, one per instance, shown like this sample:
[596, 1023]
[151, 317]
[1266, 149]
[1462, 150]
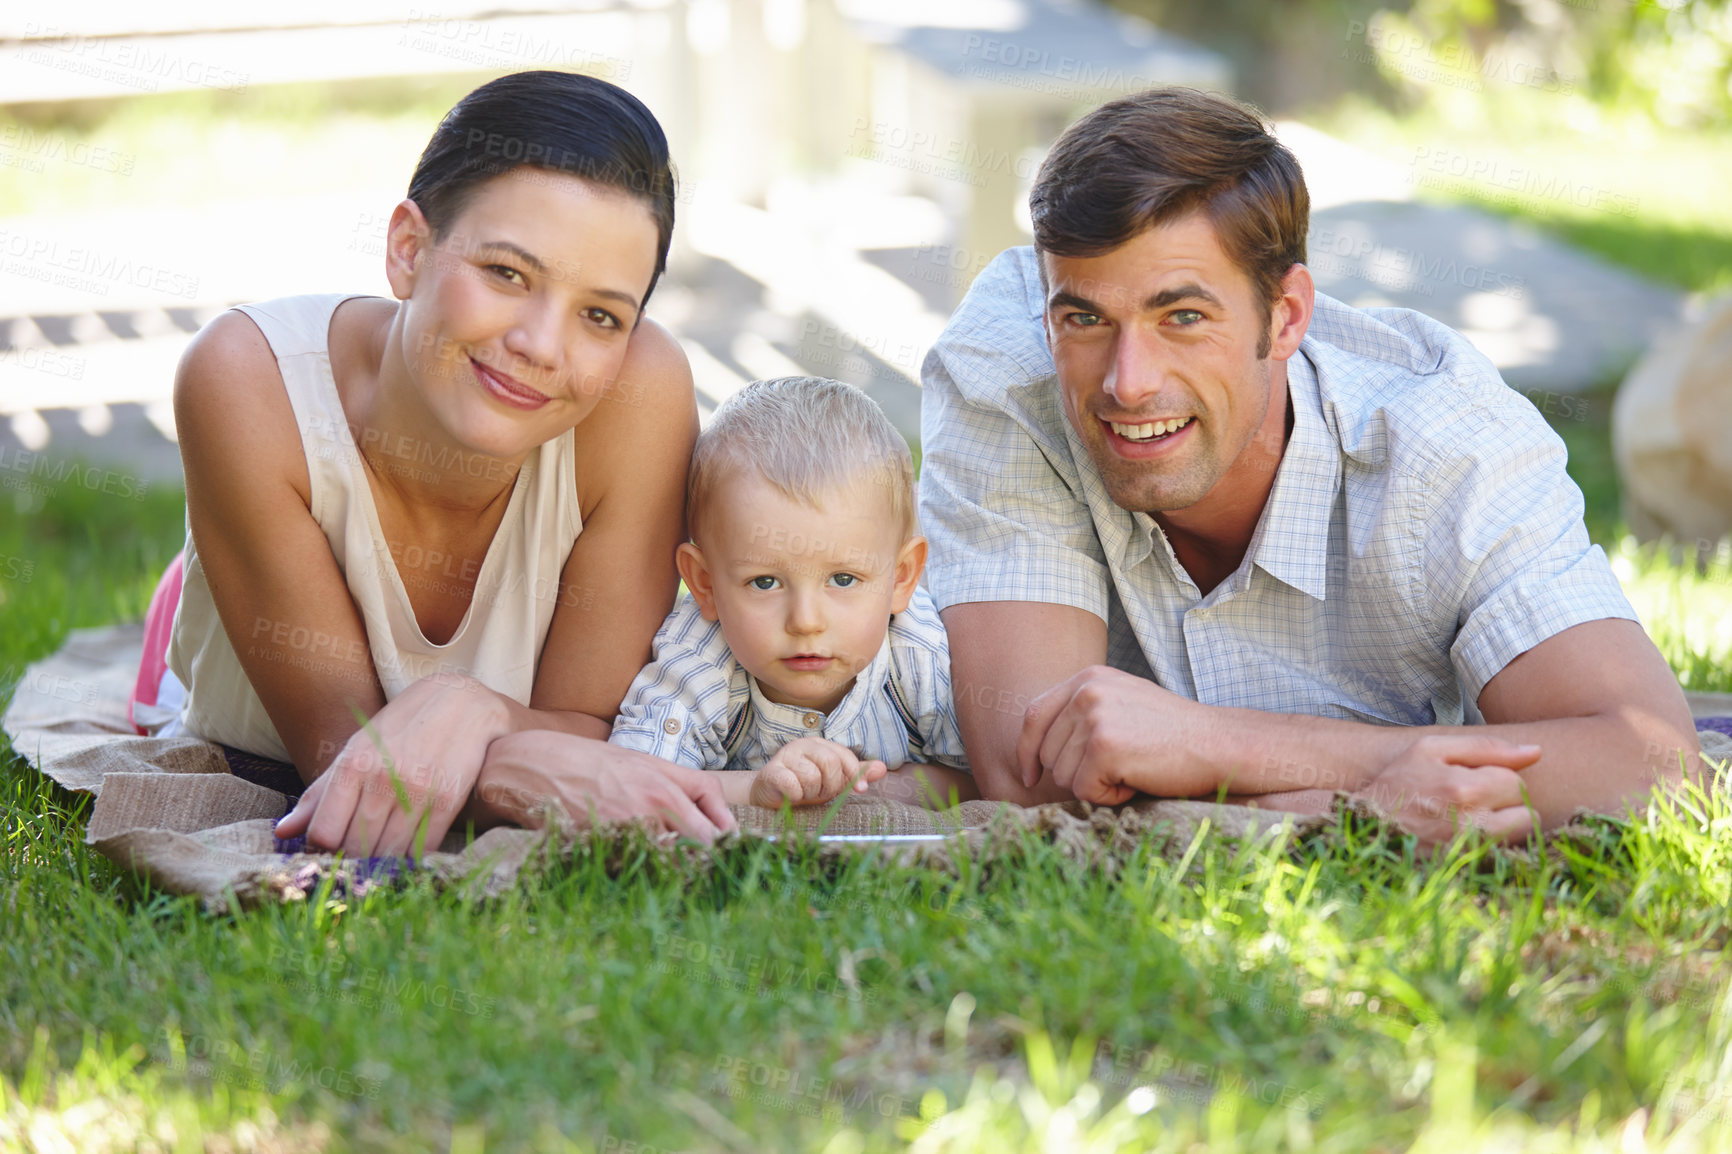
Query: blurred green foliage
[1668, 60]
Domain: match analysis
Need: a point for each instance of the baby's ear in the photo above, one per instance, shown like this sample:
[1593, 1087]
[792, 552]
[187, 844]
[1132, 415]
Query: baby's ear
[689, 559]
[910, 564]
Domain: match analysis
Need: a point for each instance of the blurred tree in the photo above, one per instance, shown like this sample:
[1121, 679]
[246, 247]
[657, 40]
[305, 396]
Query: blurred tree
[1289, 55]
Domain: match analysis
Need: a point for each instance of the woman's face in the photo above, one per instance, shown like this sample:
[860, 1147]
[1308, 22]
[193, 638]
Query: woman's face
[518, 316]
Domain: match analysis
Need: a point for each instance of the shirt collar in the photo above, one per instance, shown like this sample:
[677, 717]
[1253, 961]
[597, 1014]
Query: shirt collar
[847, 712]
[1124, 535]
[1291, 543]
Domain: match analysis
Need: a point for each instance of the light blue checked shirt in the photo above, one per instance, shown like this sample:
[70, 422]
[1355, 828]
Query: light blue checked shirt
[1420, 535]
[694, 705]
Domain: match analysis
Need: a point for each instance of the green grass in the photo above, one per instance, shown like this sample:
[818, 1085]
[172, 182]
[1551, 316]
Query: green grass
[1332, 996]
[1687, 609]
[1685, 603]
[210, 145]
[1272, 997]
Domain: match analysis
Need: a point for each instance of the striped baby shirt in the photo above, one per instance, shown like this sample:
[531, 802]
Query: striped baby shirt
[694, 705]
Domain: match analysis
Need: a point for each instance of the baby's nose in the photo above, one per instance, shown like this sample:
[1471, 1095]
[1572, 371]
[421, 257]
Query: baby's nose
[805, 615]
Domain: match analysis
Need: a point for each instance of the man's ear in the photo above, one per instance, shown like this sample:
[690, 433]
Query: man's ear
[1291, 315]
[1045, 313]
[910, 564]
[689, 559]
[408, 242]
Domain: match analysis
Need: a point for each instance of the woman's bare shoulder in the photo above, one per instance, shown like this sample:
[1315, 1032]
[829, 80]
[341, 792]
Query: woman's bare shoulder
[656, 377]
[231, 410]
[645, 423]
[652, 393]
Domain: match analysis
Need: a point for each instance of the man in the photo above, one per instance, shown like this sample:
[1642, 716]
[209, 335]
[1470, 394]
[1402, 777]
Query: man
[1195, 527]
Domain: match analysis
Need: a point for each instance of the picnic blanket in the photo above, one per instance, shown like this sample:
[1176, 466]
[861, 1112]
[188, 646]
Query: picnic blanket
[176, 809]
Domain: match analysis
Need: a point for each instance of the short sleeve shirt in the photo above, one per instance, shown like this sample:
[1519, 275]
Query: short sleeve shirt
[1421, 532]
[694, 705]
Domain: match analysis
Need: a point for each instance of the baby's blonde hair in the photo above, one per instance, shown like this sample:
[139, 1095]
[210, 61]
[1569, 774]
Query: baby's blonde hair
[803, 435]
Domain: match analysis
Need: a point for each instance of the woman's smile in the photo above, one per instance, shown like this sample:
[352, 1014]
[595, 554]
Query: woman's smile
[506, 389]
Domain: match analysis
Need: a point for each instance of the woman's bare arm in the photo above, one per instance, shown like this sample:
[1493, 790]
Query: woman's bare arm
[277, 588]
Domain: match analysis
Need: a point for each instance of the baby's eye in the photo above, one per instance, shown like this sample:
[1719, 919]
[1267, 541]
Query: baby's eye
[764, 583]
[843, 580]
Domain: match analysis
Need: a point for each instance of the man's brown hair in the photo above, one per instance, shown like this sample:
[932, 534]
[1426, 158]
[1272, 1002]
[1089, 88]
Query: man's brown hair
[1153, 157]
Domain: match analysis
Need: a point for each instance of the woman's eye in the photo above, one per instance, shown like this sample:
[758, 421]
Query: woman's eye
[764, 583]
[603, 318]
[1187, 317]
[506, 272]
[843, 580]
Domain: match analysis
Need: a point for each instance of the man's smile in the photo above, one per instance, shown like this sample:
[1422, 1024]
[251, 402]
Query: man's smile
[1148, 430]
[1147, 438]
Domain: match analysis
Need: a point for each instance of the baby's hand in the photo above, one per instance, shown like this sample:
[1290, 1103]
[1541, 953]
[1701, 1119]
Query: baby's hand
[812, 771]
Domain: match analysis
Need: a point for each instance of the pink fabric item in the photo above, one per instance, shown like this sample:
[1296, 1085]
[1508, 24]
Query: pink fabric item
[158, 629]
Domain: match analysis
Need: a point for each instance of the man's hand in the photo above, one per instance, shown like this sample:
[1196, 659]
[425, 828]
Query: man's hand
[1445, 781]
[1105, 735]
[812, 771]
[587, 780]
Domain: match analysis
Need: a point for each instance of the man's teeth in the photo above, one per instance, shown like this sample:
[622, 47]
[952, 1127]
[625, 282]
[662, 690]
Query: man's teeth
[1149, 431]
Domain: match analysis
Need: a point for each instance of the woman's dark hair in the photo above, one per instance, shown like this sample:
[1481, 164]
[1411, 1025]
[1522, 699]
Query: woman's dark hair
[1153, 157]
[558, 121]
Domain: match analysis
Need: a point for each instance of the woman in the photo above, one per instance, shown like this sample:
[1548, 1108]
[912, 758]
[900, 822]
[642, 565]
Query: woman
[453, 513]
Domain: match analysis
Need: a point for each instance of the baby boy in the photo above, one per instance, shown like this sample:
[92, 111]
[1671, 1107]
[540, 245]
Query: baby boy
[805, 660]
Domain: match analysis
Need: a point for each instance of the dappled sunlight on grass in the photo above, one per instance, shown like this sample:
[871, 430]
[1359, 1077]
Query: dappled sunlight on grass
[1686, 608]
[198, 147]
[1337, 993]
[1647, 198]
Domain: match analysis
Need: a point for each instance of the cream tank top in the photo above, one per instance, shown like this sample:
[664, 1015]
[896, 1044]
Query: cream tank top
[517, 587]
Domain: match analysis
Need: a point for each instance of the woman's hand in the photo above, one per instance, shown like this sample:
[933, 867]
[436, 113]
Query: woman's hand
[812, 771]
[590, 780]
[420, 755]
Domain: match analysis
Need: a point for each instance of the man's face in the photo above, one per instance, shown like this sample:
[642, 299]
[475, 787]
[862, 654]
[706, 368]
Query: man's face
[1162, 353]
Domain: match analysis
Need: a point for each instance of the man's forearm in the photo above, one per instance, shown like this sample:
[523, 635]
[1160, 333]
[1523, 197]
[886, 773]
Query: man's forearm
[1595, 763]
[1248, 751]
[998, 781]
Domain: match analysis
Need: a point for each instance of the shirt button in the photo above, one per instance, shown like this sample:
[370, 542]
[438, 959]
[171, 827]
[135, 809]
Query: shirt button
[671, 726]
[813, 720]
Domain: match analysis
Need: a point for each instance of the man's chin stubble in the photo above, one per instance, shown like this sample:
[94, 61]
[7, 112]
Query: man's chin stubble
[1129, 489]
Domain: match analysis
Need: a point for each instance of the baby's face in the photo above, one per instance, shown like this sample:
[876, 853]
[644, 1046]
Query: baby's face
[804, 595]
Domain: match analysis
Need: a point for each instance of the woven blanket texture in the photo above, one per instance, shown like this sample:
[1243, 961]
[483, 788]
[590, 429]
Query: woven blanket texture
[170, 808]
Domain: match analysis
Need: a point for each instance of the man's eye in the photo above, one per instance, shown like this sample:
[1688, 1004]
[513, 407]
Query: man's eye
[1187, 317]
[843, 580]
[764, 583]
[1084, 320]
